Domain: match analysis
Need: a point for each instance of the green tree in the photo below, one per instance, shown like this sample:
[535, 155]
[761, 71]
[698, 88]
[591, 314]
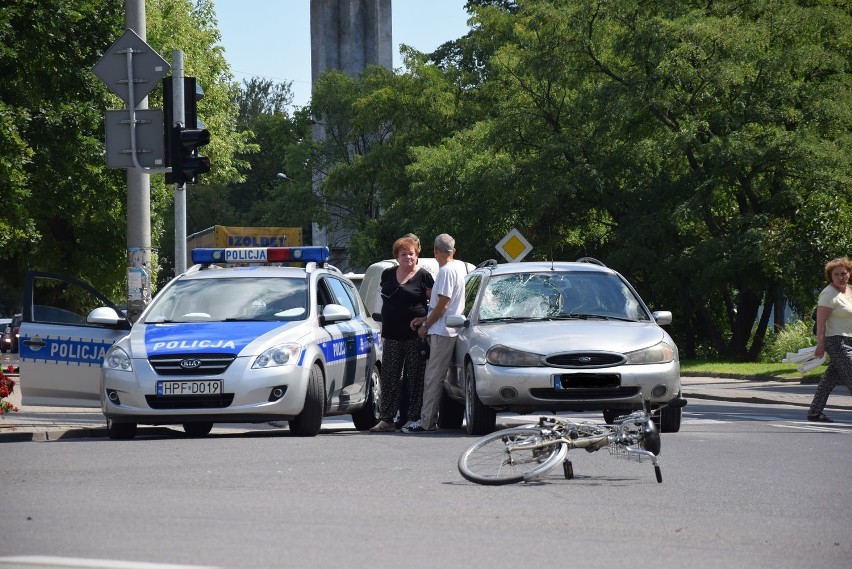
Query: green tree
[63, 210]
[703, 150]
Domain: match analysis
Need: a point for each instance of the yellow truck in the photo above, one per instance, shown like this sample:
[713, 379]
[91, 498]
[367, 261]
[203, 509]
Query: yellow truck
[229, 236]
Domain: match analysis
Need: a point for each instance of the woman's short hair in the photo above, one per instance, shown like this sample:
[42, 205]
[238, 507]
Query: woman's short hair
[834, 263]
[404, 242]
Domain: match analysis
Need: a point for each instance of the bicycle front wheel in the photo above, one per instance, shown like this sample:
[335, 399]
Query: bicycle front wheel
[506, 457]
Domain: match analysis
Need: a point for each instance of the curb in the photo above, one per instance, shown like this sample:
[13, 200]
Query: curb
[53, 433]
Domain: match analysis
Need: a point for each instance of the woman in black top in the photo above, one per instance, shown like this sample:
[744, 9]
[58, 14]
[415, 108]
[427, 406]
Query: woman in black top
[405, 293]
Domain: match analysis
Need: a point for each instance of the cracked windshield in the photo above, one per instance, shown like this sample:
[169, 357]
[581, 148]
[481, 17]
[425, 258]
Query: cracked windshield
[553, 295]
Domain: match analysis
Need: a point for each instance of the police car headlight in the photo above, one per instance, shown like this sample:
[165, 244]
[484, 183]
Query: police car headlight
[660, 354]
[502, 356]
[280, 355]
[117, 358]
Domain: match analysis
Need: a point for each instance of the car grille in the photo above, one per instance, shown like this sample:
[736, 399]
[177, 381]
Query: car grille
[203, 364]
[585, 359]
[190, 401]
[584, 394]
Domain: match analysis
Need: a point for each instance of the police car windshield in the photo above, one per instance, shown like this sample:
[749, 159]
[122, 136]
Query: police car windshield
[231, 299]
[559, 295]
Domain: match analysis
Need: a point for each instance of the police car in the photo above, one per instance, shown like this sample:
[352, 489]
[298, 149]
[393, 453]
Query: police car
[248, 343]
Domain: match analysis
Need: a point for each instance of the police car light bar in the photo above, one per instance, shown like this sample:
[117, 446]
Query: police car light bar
[316, 254]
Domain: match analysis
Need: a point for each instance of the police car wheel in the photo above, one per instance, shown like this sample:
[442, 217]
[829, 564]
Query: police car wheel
[197, 429]
[367, 416]
[121, 431]
[309, 422]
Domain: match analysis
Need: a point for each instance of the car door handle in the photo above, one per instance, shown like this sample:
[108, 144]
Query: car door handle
[35, 343]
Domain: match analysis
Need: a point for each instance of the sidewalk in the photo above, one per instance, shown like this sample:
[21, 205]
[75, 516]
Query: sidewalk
[54, 423]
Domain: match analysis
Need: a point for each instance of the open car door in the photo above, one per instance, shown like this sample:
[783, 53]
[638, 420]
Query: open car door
[66, 330]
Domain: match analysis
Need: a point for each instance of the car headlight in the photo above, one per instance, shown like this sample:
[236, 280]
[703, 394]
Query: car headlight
[502, 356]
[117, 358]
[660, 354]
[279, 355]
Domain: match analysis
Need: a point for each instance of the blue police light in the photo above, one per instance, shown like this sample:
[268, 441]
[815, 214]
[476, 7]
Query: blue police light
[205, 256]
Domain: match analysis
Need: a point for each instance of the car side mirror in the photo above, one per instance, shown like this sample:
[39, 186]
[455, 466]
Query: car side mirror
[104, 315]
[457, 321]
[377, 316]
[335, 313]
[662, 317]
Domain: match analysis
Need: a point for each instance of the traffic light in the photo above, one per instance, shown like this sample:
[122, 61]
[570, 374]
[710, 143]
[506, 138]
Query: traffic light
[182, 143]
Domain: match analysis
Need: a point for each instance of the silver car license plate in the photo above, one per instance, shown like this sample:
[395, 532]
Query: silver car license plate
[192, 387]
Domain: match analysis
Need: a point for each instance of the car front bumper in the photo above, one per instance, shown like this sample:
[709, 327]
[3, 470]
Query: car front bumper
[526, 389]
[247, 395]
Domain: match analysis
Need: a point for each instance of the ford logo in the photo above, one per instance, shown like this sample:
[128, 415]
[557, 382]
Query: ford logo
[190, 364]
[585, 359]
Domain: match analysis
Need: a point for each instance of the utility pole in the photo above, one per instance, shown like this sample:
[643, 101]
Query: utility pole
[138, 201]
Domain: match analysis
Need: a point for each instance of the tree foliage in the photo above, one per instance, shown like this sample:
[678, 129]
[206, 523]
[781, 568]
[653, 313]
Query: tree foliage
[62, 209]
[703, 149]
[700, 148]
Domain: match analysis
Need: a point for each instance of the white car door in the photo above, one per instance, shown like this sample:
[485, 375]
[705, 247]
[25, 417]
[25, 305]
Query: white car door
[61, 348]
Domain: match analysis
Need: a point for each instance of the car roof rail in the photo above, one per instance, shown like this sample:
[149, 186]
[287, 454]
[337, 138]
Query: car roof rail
[591, 260]
[487, 263]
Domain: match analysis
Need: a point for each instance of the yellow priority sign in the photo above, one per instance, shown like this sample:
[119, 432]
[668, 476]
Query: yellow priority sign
[513, 246]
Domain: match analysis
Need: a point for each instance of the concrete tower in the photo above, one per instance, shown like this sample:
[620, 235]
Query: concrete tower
[346, 35]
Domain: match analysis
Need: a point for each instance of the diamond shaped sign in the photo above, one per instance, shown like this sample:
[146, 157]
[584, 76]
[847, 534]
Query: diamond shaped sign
[514, 247]
[146, 67]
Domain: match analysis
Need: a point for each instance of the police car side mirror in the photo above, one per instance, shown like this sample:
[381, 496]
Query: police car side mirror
[457, 321]
[335, 313]
[104, 315]
[377, 316]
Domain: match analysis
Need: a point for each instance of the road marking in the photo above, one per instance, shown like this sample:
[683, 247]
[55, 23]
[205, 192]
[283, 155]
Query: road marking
[50, 561]
[844, 429]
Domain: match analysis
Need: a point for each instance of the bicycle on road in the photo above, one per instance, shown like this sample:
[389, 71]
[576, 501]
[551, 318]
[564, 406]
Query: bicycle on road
[526, 453]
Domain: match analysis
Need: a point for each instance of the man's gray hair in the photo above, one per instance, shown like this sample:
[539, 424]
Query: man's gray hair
[445, 243]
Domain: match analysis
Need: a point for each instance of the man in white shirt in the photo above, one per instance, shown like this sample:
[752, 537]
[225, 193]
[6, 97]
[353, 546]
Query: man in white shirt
[447, 298]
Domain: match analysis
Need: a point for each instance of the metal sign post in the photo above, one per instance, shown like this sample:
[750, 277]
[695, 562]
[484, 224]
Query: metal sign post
[178, 109]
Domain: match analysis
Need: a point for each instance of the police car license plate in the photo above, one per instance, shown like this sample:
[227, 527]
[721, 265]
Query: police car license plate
[197, 387]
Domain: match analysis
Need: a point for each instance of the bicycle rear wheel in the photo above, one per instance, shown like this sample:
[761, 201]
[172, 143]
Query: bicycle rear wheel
[497, 459]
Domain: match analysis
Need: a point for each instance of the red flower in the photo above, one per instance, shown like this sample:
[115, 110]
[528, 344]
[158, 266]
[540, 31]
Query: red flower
[7, 387]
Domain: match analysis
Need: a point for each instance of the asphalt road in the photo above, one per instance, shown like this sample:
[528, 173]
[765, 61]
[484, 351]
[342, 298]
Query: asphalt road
[743, 486]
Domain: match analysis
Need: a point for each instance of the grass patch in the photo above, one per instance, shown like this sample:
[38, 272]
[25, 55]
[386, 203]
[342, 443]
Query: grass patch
[720, 368]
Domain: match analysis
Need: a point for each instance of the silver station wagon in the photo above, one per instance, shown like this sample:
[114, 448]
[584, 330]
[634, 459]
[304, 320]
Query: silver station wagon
[557, 336]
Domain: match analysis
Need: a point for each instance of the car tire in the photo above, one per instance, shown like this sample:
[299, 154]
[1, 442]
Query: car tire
[309, 422]
[367, 416]
[121, 431]
[669, 419]
[480, 419]
[450, 412]
[197, 429]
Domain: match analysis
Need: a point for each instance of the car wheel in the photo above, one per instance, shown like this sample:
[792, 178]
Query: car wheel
[480, 419]
[368, 416]
[120, 431]
[197, 429]
[669, 420]
[450, 412]
[309, 422]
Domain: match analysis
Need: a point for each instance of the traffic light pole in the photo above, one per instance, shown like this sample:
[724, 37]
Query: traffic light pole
[138, 202]
[180, 188]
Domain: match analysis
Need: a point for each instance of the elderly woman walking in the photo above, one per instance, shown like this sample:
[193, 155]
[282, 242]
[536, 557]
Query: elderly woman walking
[834, 335]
